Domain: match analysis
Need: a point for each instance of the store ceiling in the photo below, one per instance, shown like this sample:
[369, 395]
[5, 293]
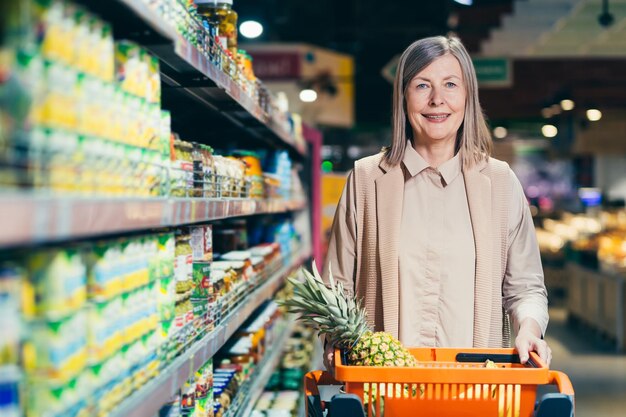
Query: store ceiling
[561, 28]
[558, 45]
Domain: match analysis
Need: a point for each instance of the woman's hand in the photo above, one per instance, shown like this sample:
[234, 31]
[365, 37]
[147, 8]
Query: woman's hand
[529, 340]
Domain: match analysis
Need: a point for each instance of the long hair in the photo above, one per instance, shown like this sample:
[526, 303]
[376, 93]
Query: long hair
[473, 141]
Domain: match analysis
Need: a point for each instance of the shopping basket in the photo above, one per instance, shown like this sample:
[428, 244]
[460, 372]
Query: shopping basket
[446, 382]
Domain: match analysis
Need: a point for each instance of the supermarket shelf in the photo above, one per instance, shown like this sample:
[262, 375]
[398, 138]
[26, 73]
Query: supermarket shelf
[184, 69]
[141, 9]
[260, 377]
[26, 218]
[147, 400]
[201, 64]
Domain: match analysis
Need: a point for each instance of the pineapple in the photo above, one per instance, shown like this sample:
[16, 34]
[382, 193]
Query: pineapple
[344, 322]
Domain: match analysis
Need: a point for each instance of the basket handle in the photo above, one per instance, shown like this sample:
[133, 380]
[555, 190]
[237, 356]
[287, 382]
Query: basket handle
[482, 357]
[562, 381]
[533, 360]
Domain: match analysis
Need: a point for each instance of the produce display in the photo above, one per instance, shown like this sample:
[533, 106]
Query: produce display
[597, 241]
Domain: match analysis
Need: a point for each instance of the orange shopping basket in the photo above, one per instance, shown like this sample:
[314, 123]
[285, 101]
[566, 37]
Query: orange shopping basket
[447, 382]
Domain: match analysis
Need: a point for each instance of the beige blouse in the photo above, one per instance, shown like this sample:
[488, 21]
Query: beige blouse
[437, 256]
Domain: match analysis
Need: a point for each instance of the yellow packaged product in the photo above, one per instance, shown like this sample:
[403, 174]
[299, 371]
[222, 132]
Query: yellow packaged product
[254, 182]
[57, 281]
[45, 397]
[55, 30]
[153, 94]
[105, 279]
[105, 58]
[102, 374]
[129, 67]
[181, 172]
[238, 187]
[57, 348]
[12, 280]
[105, 328]
[83, 47]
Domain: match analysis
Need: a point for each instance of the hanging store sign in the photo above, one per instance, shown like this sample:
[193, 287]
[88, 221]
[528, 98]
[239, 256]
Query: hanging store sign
[277, 65]
[493, 72]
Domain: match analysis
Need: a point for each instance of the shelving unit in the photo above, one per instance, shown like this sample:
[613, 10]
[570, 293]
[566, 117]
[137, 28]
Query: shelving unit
[187, 74]
[207, 105]
[147, 401]
[34, 219]
[254, 386]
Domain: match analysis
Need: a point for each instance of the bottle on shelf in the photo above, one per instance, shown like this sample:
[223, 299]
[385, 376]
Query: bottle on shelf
[220, 13]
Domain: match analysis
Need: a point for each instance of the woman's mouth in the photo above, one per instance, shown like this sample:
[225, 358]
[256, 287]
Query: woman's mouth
[436, 117]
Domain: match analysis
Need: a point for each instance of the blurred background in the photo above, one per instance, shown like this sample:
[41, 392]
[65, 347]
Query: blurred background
[132, 127]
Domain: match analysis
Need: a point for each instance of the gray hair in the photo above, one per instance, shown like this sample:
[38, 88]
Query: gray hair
[473, 142]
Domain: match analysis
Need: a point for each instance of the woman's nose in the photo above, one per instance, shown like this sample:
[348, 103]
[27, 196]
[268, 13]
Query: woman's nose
[435, 97]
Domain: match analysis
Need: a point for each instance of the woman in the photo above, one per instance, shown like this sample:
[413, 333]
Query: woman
[432, 234]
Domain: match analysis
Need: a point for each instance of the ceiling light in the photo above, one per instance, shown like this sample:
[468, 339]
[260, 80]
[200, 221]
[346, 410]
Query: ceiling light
[567, 104]
[308, 96]
[594, 115]
[549, 131]
[500, 132]
[465, 2]
[251, 29]
[546, 112]
[556, 109]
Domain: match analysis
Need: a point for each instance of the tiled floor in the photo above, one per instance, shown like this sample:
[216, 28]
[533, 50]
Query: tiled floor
[597, 371]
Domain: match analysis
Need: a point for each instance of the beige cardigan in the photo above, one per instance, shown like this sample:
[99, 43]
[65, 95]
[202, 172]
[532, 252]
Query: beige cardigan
[378, 191]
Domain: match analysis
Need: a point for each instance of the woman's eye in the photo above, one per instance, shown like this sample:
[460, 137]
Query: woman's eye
[450, 84]
[422, 85]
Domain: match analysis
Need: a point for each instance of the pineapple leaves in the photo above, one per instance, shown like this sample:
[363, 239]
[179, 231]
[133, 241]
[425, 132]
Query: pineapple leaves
[327, 308]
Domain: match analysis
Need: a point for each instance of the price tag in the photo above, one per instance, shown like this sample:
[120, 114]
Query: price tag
[192, 212]
[192, 367]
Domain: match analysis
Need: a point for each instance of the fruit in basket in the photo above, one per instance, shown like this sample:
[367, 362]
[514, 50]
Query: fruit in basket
[490, 364]
[344, 323]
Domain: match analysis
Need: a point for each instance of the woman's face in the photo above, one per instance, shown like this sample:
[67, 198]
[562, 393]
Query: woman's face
[435, 101]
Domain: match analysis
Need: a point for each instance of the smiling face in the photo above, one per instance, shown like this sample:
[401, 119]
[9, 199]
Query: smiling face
[435, 102]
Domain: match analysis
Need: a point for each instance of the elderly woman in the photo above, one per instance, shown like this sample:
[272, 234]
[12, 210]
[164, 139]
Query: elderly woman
[433, 234]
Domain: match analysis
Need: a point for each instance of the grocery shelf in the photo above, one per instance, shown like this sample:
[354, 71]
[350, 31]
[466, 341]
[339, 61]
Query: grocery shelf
[189, 53]
[147, 400]
[260, 377]
[141, 9]
[27, 218]
[185, 70]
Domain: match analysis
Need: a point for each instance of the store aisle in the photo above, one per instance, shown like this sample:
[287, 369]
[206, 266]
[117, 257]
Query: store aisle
[597, 372]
